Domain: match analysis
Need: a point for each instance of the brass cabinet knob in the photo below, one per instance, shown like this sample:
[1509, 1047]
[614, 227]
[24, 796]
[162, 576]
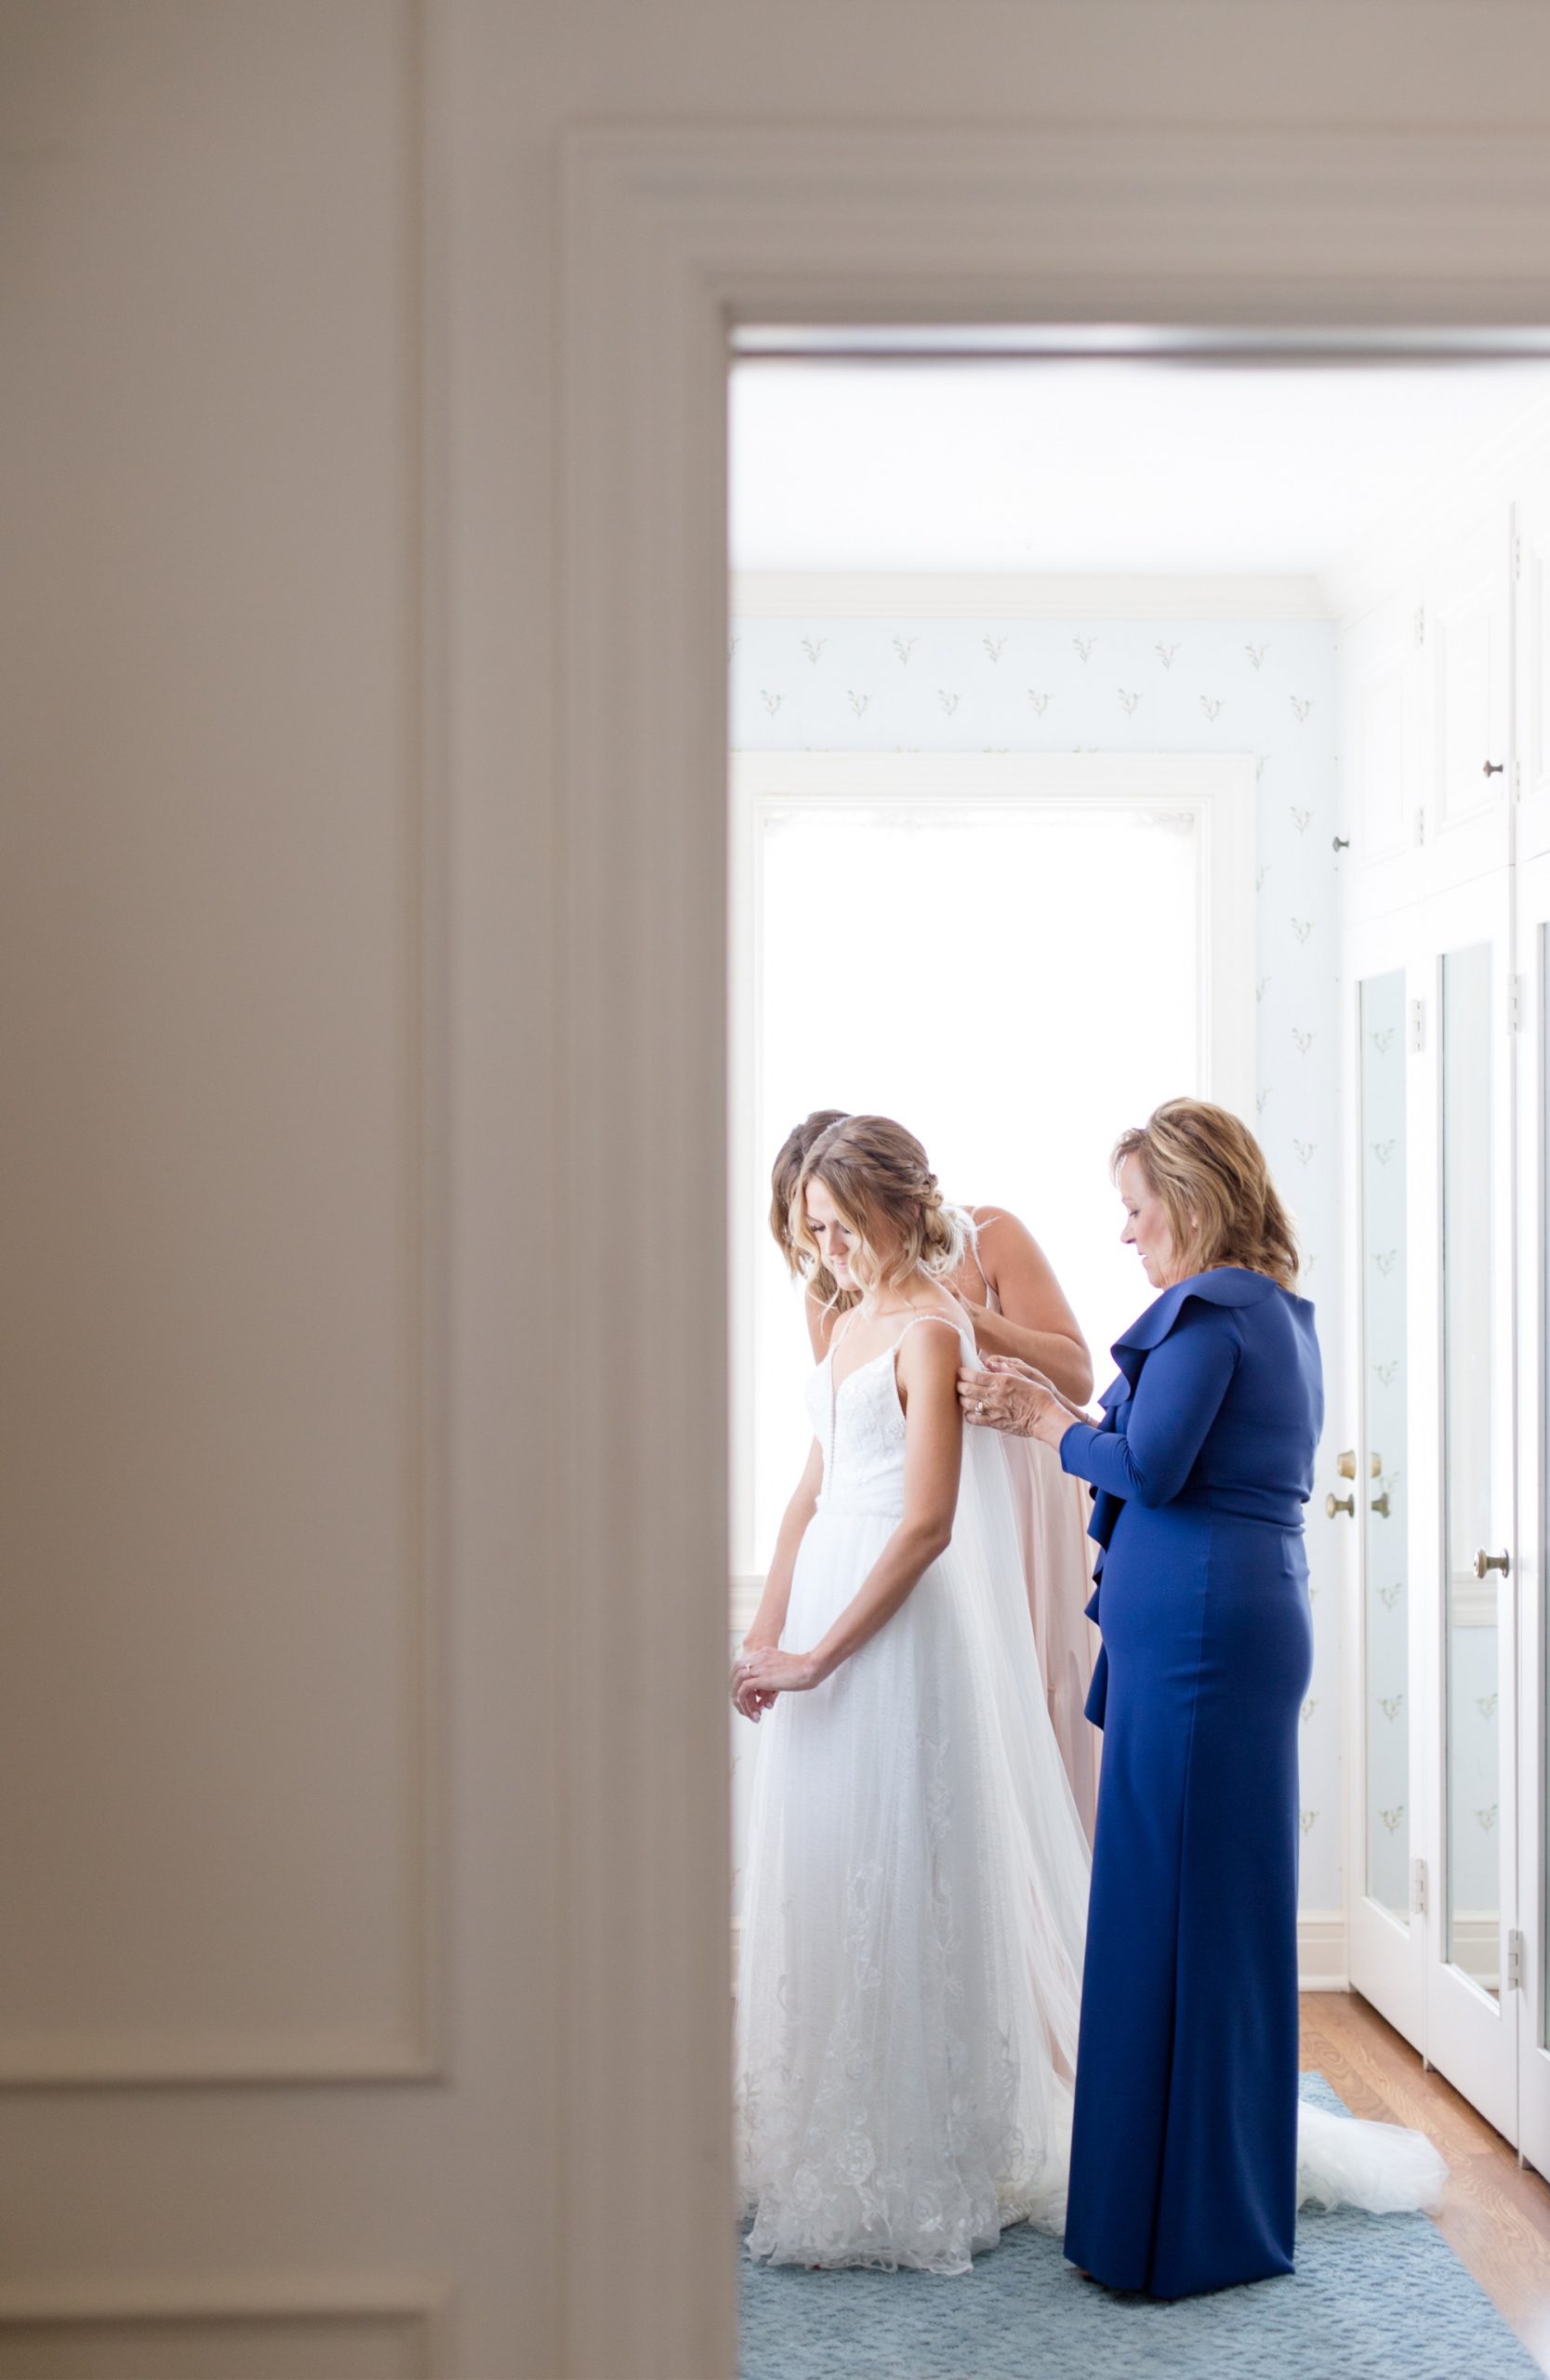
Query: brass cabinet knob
[1333, 1503]
[1484, 1562]
[1346, 1464]
[1380, 1505]
[1375, 1465]
[1494, 768]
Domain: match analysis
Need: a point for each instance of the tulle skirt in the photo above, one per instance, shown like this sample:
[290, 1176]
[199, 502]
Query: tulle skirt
[910, 1969]
[1343, 2161]
[1052, 1511]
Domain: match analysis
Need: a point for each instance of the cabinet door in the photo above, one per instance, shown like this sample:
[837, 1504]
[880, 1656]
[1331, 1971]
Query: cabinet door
[1470, 2016]
[1532, 1304]
[1381, 715]
[1371, 1504]
[1532, 674]
[1467, 622]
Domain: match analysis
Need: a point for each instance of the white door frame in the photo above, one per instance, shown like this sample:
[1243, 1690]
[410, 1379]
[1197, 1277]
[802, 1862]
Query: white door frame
[668, 237]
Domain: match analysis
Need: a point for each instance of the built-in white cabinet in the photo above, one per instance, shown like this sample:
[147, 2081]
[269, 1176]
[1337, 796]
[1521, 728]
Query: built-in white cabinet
[1426, 1502]
[1465, 631]
[1531, 1059]
[1531, 671]
[1440, 1500]
[1382, 748]
[1426, 679]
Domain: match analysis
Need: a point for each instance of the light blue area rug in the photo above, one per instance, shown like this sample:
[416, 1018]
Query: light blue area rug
[1373, 2297]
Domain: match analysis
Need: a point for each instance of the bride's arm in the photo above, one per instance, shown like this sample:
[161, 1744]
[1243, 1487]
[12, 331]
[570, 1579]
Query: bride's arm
[770, 1618]
[933, 1445]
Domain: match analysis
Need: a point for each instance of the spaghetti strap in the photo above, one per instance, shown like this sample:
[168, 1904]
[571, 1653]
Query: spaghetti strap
[958, 1326]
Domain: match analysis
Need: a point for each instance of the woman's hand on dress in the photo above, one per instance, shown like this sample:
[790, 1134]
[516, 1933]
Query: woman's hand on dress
[1011, 1397]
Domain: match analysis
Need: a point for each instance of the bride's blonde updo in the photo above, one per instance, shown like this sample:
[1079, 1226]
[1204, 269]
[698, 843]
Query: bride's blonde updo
[1210, 1172]
[887, 1196]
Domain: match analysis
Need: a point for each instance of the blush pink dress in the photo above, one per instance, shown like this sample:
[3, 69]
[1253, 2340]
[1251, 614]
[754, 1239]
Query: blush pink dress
[1053, 1511]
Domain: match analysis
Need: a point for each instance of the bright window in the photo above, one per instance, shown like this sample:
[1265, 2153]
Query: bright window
[1015, 956]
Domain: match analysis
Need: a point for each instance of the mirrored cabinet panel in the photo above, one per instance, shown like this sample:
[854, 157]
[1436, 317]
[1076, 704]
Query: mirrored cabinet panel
[1542, 1482]
[1380, 1491]
[1470, 1614]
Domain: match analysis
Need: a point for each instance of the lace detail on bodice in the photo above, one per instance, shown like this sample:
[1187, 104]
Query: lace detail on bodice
[860, 1430]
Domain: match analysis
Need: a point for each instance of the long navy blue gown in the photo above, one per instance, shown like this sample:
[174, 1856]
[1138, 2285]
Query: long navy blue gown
[1184, 2160]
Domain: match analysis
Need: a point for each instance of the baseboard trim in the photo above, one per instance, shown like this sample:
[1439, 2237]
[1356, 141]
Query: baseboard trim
[1322, 1964]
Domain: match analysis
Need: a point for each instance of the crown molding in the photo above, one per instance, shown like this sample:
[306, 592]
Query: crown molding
[1012, 595]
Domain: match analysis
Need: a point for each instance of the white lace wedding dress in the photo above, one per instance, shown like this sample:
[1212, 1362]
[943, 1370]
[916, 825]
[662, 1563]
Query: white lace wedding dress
[915, 1900]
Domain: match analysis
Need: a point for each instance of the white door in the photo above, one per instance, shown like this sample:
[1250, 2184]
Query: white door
[1426, 1489]
[1466, 627]
[1370, 1502]
[1533, 1478]
[1462, 1375]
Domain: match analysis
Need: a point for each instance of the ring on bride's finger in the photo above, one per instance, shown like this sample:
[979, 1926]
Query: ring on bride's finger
[979, 1409]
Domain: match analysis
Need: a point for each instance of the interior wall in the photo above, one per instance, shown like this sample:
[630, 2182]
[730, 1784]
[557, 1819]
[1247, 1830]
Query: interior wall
[276, 2029]
[1265, 686]
[216, 336]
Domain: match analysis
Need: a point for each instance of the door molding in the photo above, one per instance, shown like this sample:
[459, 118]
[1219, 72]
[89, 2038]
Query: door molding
[669, 238]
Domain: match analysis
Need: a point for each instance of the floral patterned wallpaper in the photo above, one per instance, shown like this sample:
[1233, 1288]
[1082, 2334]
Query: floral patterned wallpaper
[1268, 687]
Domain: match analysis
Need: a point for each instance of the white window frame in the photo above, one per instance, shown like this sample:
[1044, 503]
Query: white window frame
[1215, 790]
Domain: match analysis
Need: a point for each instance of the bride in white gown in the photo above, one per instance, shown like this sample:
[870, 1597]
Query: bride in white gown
[916, 1890]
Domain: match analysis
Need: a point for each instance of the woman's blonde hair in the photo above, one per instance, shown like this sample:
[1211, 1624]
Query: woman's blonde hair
[884, 1191]
[1210, 1172]
[785, 1175]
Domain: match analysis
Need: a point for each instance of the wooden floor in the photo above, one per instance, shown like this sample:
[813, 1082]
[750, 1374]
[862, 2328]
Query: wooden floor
[1494, 2216]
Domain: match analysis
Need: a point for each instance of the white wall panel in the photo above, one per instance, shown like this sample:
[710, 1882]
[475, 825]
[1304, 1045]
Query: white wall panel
[215, 1708]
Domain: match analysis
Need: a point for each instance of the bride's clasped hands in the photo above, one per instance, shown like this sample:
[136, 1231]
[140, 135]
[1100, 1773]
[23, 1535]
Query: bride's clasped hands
[762, 1671]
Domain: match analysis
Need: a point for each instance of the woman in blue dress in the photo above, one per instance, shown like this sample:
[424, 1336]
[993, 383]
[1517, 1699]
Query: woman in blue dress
[1185, 2154]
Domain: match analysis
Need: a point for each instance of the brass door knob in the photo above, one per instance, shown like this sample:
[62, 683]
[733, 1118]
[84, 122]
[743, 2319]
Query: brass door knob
[1333, 1503]
[1380, 1505]
[1484, 1562]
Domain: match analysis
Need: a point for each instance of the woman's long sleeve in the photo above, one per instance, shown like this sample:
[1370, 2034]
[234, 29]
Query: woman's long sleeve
[1181, 1388]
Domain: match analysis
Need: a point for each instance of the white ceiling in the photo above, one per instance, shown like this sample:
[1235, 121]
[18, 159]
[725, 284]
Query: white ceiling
[1069, 467]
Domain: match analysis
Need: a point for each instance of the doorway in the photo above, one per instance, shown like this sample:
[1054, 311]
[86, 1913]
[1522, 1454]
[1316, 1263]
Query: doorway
[674, 238]
[950, 575]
